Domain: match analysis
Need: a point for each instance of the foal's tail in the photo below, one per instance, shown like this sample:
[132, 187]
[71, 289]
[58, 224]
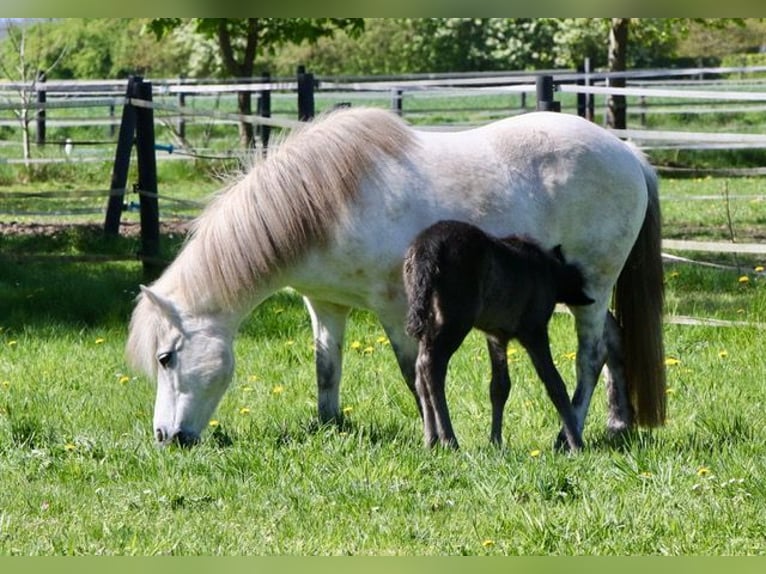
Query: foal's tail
[638, 300]
[419, 272]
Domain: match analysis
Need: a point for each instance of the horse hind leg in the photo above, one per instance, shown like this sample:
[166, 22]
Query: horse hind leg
[620, 417]
[499, 386]
[328, 322]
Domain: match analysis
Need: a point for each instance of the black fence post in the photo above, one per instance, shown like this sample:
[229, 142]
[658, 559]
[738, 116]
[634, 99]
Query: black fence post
[397, 103]
[147, 184]
[121, 166]
[264, 110]
[545, 100]
[41, 98]
[181, 126]
[305, 95]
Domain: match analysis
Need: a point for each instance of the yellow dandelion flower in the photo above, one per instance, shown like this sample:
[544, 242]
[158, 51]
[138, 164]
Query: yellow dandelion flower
[213, 423]
[100, 341]
[744, 279]
[673, 274]
[670, 391]
[289, 343]
[368, 350]
[6, 384]
[535, 453]
[703, 471]
[252, 379]
[757, 269]
[247, 389]
[69, 447]
[672, 362]
[124, 380]
[511, 351]
[12, 343]
[645, 474]
[244, 411]
[488, 543]
[348, 410]
[723, 354]
[356, 345]
[277, 390]
[570, 356]
[383, 340]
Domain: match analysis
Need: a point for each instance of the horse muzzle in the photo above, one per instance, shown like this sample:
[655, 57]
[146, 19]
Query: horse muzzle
[181, 437]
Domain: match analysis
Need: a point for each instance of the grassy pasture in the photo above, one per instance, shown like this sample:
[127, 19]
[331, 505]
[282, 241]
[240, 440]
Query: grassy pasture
[79, 473]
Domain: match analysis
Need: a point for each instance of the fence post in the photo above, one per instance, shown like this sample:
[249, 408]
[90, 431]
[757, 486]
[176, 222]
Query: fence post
[122, 160]
[545, 100]
[181, 104]
[264, 110]
[41, 98]
[147, 184]
[305, 95]
[397, 103]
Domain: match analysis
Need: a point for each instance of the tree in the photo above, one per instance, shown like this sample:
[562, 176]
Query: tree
[27, 70]
[240, 41]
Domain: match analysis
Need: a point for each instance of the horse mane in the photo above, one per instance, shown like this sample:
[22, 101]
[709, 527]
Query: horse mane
[285, 204]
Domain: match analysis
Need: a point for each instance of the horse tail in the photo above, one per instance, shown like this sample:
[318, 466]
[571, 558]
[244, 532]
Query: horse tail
[638, 300]
[419, 272]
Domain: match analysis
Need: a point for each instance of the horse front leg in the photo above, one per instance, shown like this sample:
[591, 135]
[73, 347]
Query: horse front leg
[591, 356]
[499, 386]
[328, 322]
[406, 352]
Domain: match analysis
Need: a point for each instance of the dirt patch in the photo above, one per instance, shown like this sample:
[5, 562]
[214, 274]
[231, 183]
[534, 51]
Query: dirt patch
[52, 229]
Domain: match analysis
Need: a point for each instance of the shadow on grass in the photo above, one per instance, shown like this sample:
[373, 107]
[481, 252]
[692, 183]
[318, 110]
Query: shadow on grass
[43, 280]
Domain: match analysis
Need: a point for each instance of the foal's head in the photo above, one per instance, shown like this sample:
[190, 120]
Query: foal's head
[570, 283]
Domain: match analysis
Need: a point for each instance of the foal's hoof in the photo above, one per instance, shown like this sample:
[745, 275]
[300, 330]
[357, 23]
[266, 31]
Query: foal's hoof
[562, 444]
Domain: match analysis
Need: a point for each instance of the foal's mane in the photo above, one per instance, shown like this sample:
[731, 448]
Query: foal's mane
[285, 204]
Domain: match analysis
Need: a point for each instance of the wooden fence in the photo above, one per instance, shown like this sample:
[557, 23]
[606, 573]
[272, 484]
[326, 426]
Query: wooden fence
[701, 90]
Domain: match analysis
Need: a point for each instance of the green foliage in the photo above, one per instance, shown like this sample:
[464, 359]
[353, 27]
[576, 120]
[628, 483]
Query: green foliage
[205, 47]
[100, 48]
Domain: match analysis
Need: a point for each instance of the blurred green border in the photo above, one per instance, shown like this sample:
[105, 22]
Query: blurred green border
[390, 8]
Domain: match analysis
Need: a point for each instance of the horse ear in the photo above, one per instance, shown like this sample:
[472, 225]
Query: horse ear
[165, 306]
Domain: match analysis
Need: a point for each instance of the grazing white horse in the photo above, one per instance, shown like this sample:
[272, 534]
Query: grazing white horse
[331, 213]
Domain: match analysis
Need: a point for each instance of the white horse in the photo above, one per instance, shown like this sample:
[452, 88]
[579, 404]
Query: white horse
[331, 213]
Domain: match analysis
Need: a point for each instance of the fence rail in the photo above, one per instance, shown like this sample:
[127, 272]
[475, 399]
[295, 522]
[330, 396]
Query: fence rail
[175, 102]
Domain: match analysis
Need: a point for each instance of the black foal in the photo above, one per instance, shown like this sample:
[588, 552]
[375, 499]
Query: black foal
[457, 277]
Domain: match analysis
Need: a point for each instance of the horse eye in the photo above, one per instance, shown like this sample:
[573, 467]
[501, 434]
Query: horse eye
[165, 359]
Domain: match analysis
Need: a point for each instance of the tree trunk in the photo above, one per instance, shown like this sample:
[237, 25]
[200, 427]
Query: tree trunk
[243, 69]
[245, 108]
[618, 46]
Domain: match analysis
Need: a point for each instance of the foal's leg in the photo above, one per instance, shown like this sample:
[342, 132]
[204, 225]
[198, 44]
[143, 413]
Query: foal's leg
[620, 416]
[328, 322]
[538, 347]
[431, 369]
[499, 386]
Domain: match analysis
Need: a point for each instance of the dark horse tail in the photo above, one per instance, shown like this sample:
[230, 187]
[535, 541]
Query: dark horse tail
[418, 282]
[638, 301]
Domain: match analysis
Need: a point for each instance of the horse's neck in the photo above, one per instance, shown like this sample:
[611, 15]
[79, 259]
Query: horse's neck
[194, 297]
